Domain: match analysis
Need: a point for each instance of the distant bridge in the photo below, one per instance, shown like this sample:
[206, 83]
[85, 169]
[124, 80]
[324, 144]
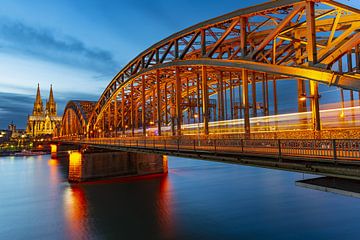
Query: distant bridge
[217, 80]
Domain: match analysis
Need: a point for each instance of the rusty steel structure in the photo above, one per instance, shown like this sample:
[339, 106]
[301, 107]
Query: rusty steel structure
[227, 68]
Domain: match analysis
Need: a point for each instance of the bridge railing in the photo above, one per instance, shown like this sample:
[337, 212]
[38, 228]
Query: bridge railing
[331, 149]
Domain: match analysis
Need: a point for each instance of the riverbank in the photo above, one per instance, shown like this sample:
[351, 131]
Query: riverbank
[22, 152]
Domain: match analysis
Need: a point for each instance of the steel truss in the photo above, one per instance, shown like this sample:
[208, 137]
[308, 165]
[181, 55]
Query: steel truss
[203, 73]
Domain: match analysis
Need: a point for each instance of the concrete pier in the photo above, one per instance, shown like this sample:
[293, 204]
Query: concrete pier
[84, 166]
[53, 150]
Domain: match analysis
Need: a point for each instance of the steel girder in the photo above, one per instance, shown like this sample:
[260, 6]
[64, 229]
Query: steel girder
[286, 38]
[81, 111]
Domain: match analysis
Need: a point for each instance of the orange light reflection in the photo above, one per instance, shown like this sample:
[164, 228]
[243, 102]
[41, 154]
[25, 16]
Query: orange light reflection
[75, 209]
[166, 215]
[54, 172]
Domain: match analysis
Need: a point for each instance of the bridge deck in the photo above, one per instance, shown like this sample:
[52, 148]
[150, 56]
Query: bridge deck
[340, 158]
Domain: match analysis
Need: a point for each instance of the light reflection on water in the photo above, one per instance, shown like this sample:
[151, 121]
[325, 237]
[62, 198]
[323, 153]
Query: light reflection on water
[197, 200]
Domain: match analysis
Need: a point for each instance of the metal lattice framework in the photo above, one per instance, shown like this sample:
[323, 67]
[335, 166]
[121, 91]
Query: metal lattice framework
[75, 118]
[192, 76]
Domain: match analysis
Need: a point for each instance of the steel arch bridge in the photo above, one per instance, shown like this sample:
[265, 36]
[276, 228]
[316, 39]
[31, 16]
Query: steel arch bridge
[75, 118]
[202, 74]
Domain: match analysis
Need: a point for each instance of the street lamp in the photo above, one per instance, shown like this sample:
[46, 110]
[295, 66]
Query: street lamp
[315, 109]
[196, 116]
[303, 97]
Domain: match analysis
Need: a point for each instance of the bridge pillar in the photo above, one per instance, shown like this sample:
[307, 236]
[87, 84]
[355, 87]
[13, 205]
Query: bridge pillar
[99, 165]
[158, 107]
[53, 150]
[178, 90]
[253, 94]
[315, 109]
[312, 59]
[205, 100]
[245, 95]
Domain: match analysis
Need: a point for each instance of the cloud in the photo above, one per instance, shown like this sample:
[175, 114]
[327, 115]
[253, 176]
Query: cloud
[16, 107]
[46, 44]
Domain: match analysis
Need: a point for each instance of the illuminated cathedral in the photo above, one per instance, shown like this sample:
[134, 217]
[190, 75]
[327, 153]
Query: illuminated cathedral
[42, 122]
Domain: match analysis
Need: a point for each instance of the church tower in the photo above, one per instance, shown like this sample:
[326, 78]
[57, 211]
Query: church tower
[38, 105]
[42, 122]
[51, 104]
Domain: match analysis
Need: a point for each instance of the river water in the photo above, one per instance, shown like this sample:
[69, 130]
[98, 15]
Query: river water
[196, 200]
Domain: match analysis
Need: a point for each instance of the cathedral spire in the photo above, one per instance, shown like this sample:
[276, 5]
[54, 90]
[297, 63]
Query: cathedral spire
[38, 105]
[51, 95]
[51, 105]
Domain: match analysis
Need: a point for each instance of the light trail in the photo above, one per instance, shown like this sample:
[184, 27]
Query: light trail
[331, 118]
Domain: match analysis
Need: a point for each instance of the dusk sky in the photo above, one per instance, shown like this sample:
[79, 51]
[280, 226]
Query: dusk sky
[78, 46]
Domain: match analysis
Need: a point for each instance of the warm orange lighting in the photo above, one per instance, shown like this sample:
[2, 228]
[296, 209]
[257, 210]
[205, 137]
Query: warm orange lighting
[75, 165]
[75, 157]
[75, 210]
[151, 122]
[196, 115]
[165, 207]
[53, 162]
[54, 172]
[165, 164]
[53, 148]
[302, 98]
[342, 114]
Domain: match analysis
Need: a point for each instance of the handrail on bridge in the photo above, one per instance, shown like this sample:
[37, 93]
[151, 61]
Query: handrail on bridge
[328, 149]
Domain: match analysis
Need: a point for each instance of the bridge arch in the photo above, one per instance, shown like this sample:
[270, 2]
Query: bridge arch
[75, 118]
[188, 77]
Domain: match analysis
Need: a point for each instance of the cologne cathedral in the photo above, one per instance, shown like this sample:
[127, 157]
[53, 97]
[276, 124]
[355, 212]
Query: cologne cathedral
[42, 122]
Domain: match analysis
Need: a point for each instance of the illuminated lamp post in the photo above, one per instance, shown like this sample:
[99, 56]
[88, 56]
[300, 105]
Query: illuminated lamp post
[315, 112]
[196, 116]
[151, 123]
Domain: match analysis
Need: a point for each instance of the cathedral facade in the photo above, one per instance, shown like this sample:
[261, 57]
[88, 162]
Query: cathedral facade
[42, 122]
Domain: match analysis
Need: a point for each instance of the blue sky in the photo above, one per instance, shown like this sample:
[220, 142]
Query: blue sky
[78, 46]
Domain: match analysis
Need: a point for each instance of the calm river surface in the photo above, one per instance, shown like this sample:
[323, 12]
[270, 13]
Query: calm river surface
[197, 200]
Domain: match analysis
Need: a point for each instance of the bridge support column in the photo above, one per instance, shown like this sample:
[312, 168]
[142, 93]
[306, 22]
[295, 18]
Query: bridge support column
[240, 107]
[53, 150]
[123, 111]
[115, 115]
[178, 111]
[245, 95]
[275, 97]
[143, 105]
[132, 119]
[253, 94]
[158, 107]
[301, 93]
[300, 83]
[205, 100]
[198, 98]
[100, 165]
[220, 97]
[315, 109]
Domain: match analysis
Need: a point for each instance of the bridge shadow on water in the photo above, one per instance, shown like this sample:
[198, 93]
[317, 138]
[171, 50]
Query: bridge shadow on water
[130, 208]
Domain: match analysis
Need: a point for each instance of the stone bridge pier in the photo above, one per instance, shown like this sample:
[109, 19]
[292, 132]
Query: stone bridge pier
[91, 164]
